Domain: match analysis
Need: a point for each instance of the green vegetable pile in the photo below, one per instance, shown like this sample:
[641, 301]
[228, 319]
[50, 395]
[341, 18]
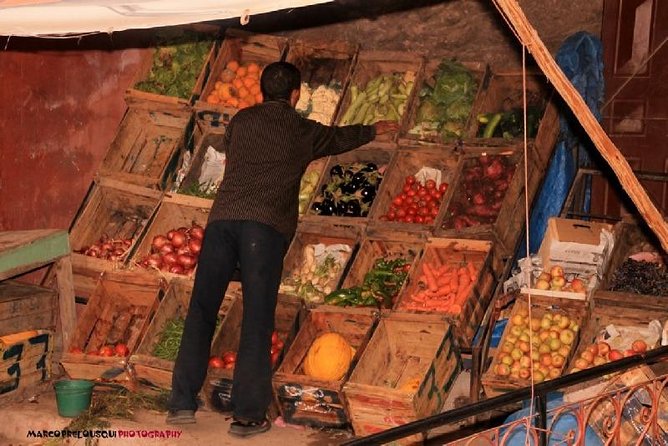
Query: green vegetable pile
[509, 124]
[306, 189]
[199, 190]
[383, 98]
[380, 287]
[445, 102]
[177, 63]
[170, 340]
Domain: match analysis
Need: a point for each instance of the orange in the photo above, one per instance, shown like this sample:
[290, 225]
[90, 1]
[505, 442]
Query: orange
[217, 85]
[255, 89]
[233, 102]
[248, 82]
[225, 91]
[243, 104]
[243, 92]
[232, 65]
[250, 99]
[241, 71]
[238, 83]
[258, 98]
[253, 68]
[213, 99]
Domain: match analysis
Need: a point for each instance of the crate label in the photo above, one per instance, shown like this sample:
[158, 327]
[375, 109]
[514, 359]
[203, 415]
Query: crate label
[14, 355]
[311, 405]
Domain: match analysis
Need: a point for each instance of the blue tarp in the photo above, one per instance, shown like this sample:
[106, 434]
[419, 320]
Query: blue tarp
[581, 59]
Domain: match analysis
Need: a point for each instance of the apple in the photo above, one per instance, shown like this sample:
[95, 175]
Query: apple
[507, 360]
[511, 338]
[639, 346]
[554, 373]
[581, 364]
[516, 331]
[544, 336]
[557, 282]
[523, 312]
[535, 324]
[587, 356]
[558, 360]
[578, 285]
[556, 271]
[525, 362]
[542, 284]
[515, 367]
[502, 370]
[629, 352]
[555, 344]
[544, 348]
[518, 319]
[524, 346]
[545, 276]
[524, 338]
[545, 323]
[516, 354]
[603, 349]
[564, 351]
[546, 359]
[554, 334]
[525, 374]
[515, 374]
[567, 336]
[614, 355]
[507, 347]
[564, 322]
[535, 355]
[593, 349]
[600, 360]
[538, 376]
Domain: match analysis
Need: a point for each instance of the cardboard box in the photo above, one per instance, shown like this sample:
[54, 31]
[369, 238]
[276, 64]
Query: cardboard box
[579, 246]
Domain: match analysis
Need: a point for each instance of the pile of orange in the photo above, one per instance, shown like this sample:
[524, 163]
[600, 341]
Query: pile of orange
[237, 86]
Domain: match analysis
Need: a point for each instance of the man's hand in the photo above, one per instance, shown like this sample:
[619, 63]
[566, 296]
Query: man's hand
[383, 127]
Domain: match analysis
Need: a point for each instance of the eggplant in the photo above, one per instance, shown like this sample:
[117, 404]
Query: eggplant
[368, 193]
[353, 209]
[336, 171]
[317, 207]
[349, 188]
[370, 167]
[328, 207]
[359, 178]
[340, 208]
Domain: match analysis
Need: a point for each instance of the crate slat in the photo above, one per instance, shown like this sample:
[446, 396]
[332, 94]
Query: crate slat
[26, 307]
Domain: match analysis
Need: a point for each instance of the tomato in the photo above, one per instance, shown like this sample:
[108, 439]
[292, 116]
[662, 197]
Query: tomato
[279, 345]
[403, 196]
[401, 213]
[443, 187]
[436, 194]
[411, 193]
[274, 337]
[216, 362]
[434, 212]
[76, 350]
[410, 179]
[411, 211]
[416, 199]
[93, 353]
[229, 357]
[419, 219]
[274, 358]
[229, 365]
[423, 211]
[428, 220]
[406, 187]
[121, 349]
[398, 201]
[422, 204]
[431, 184]
[107, 350]
[428, 198]
[408, 219]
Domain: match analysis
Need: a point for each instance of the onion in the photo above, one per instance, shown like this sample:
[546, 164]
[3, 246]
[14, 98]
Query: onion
[179, 239]
[106, 246]
[183, 250]
[195, 245]
[114, 258]
[170, 234]
[183, 229]
[176, 269]
[186, 260]
[158, 242]
[167, 248]
[197, 232]
[154, 260]
[170, 258]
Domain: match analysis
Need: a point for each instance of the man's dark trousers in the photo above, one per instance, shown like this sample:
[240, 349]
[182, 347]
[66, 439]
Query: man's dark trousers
[259, 250]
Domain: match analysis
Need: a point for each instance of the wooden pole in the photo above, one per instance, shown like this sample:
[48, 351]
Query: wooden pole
[519, 24]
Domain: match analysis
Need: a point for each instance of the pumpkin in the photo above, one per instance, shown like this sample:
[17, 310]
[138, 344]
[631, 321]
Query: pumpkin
[329, 357]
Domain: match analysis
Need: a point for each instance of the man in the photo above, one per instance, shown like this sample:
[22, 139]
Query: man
[253, 218]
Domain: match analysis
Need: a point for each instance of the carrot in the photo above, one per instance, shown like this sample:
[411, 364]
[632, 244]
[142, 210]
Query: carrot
[464, 279]
[463, 293]
[444, 279]
[454, 283]
[472, 269]
[444, 269]
[429, 276]
[419, 297]
[455, 309]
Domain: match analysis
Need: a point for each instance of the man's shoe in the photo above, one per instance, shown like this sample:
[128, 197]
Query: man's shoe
[247, 429]
[184, 416]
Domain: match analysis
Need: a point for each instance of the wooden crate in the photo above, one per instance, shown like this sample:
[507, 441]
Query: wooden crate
[629, 239]
[370, 153]
[289, 311]
[502, 92]
[480, 73]
[26, 307]
[147, 146]
[175, 211]
[389, 246]
[200, 33]
[456, 253]
[622, 310]
[119, 311]
[244, 47]
[308, 401]
[119, 210]
[576, 310]
[26, 363]
[409, 162]
[306, 235]
[371, 64]
[404, 374]
[507, 226]
[158, 371]
[316, 168]
[324, 63]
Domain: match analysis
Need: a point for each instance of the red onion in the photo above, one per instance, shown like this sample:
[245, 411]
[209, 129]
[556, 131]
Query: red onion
[183, 250]
[154, 260]
[106, 246]
[119, 252]
[197, 232]
[176, 269]
[179, 239]
[170, 234]
[183, 229]
[158, 242]
[167, 248]
[195, 245]
[186, 260]
[170, 258]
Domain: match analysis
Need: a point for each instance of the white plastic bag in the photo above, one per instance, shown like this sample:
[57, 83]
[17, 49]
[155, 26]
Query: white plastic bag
[213, 169]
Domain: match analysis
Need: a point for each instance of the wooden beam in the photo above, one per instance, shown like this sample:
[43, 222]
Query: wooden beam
[519, 24]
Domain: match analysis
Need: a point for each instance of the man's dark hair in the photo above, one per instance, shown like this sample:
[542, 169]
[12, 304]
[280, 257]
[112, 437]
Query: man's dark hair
[278, 80]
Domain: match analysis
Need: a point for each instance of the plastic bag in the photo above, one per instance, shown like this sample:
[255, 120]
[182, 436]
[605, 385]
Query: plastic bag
[213, 169]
